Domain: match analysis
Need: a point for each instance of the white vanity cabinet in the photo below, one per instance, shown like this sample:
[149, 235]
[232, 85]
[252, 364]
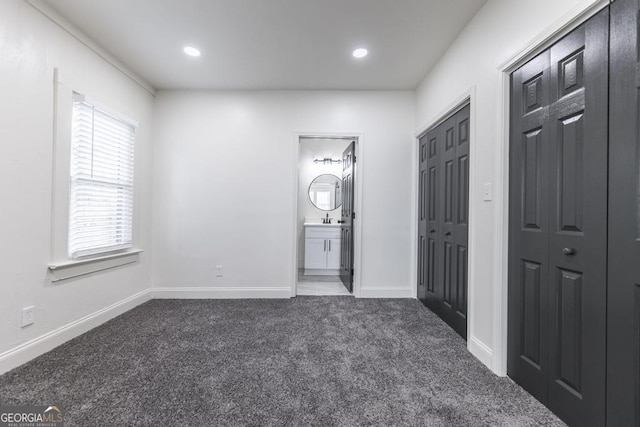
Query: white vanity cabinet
[321, 249]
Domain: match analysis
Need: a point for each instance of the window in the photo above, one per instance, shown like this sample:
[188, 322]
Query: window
[102, 170]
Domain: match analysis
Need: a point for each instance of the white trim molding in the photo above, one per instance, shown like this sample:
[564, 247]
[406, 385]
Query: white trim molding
[23, 353]
[61, 265]
[387, 293]
[456, 105]
[575, 17]
[55, 17]
[357, 243]
[76, 268]
[228, 292]
[480, 350]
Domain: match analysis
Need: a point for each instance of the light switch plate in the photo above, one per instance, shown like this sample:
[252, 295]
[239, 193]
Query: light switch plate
[486, 192]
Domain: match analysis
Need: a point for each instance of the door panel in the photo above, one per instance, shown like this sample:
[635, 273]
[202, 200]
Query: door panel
[570, 172]
[558, 232]
[422, 267]
[347, 216]
[461, 282]
[448, 192]
[432, 265]
[532, 174]
[462, 190]
[570, 331]
[531, 304]
[623, 298]
[448, 255]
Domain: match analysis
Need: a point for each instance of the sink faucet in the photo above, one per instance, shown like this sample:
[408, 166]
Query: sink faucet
[326, 220]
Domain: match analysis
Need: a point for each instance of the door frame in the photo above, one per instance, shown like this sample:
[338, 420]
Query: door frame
[357, 242]
[570, 21]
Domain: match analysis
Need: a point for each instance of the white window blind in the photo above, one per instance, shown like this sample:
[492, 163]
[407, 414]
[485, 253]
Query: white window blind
[101, 196]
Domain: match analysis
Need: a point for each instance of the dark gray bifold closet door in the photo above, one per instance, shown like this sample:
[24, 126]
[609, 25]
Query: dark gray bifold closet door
[558, 224]
[623, 328]
[443, 220]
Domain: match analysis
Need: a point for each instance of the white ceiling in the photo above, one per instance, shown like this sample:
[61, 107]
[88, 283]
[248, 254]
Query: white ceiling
[273, 44]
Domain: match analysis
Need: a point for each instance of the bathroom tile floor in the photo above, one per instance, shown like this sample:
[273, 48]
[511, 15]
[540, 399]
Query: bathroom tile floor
[320, 285]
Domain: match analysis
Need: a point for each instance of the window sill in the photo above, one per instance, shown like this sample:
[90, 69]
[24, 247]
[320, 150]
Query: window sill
[76, 268]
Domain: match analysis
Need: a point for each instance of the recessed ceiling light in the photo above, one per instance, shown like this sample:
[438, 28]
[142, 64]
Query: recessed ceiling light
[360, 53]
[192, 51]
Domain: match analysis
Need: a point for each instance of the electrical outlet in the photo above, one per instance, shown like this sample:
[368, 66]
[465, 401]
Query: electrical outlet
[27, 316]
[219, 272]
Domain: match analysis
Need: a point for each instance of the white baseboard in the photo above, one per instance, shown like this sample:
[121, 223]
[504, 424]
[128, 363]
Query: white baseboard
[29, 350]
[481, 351]
[209, 292]
[386, 293]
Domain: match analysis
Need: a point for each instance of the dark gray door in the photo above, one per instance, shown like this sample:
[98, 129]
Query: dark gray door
[623, 328]
[348, 215]
[443, 217]
[558, 224]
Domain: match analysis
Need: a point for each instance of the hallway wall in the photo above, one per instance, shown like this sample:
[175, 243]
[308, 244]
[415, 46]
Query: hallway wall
[500, 30]
[225, 187]
[31, 46]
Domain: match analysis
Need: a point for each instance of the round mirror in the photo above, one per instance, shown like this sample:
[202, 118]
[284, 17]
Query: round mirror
[325, 192]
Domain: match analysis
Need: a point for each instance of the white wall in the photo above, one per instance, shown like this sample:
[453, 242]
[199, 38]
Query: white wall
[224, 174]
[225, 185]
[311, 149]
[31, 46]
[500, 30]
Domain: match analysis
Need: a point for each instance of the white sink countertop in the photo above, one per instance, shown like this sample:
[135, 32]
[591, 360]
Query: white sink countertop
[319, 224]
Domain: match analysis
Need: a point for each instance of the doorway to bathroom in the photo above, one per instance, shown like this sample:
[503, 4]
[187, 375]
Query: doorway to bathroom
[326, 215]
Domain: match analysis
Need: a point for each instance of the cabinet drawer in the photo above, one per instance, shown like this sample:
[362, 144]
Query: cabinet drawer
[322, 232]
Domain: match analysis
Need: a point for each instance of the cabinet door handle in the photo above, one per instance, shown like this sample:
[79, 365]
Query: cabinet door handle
[325, 246]
[569, 251]
[448, 233]
[329, 245]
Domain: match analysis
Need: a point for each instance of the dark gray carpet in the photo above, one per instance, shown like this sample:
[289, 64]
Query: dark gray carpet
[306, 361]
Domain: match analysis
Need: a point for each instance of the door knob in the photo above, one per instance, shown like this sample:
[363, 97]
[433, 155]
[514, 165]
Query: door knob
[432, 231]
[448, 233]
[568, 251]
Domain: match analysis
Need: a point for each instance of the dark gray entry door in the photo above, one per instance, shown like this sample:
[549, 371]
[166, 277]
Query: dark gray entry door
[347, 215]
[443, 220]
[623, 327]
[558, 224]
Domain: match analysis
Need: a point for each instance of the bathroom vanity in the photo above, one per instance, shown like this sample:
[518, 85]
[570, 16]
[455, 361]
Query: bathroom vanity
[321, 249]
